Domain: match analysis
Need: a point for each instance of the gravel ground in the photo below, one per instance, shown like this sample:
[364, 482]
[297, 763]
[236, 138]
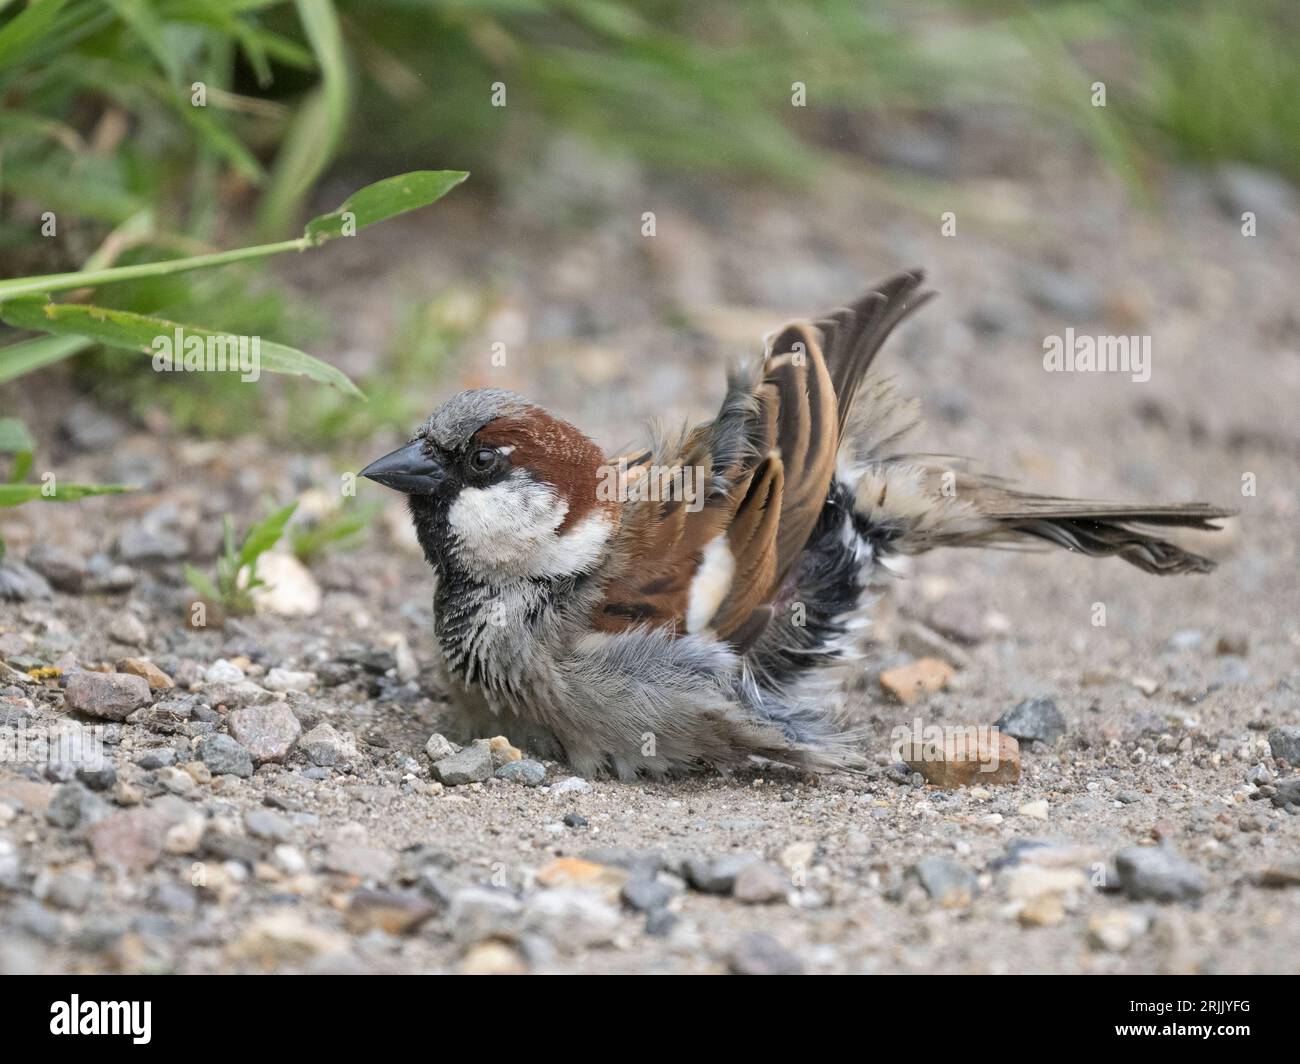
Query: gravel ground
[278, 807]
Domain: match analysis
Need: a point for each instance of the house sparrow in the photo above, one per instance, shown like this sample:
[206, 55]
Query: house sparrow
[675, 608]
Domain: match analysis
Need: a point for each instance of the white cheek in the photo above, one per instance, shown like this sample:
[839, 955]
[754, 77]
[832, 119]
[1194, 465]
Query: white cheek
[509, 530]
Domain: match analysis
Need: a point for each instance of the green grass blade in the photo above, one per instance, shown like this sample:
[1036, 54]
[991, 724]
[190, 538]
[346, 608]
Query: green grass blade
[138, 332]
[27, 355]
[17, 494]
[382, 200]
[264, 535]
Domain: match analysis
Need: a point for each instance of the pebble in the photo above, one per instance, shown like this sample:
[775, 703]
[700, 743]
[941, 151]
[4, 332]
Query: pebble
[760, 883]
[1159, 874]
[138, 545]
[127, 628]
[131, 839]
[18, 583]
[575, 820]
[439, 747]
[364, 862]
[955, 764]
[644, 894]
[571, 917]
[758, 953]
[471, 765]
[476, 913]
[527, 772]
[224, 756]
[493, 958]
[1036, 810]
[223, 671]
[502, 752]
[288, 680]
[62, 568]
[716, 875]
[267, 824]
[949, 883]
[1114, 931]
[326, 747]
[73, 806]
[147, 671]
[106, 695]
[396, 913]
[571, 785]
[1033, 719]
[1285, 873]
[268, 731]
[99, 776]
[1286, 794]
[908, 683]
[289, 588]
[1284, 741]
[285, 938]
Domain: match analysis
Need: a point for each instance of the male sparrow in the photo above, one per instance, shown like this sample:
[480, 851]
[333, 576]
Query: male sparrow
[672, 609]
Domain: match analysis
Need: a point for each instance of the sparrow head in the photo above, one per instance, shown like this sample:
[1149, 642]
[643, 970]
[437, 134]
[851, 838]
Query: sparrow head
[501, 490]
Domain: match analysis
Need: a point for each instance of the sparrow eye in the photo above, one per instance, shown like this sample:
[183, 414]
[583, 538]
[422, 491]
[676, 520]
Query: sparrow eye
[483, 459]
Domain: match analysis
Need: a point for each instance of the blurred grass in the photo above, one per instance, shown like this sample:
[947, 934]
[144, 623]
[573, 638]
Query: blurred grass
[98, 123]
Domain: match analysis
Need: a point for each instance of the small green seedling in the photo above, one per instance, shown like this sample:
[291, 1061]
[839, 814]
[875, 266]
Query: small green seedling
[236, 568]
[341, 528]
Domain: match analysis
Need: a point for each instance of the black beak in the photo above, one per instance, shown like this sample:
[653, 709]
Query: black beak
[407, 470]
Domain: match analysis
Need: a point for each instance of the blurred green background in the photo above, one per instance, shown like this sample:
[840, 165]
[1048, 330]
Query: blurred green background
[98, 124]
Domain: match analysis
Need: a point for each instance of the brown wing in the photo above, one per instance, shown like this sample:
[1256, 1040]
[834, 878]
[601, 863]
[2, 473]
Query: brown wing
[706, 560]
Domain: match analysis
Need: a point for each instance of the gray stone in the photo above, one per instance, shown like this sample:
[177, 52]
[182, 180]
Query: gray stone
[288, 680]
[758, 953]
[646, 895]
[571, 917]
[760, 883]
[107, 695]
[73, 806]
[99, 776]
[476, 913]
[268, 731]
[1287, 793]
[1159, 874]
[364, 862]
[18, 583]
[140, 546]
[131, 839]
[224, 756]
[163, 757]
[62, 568]
[326, 747]
[1284, 741]
[948, 882]
[716, 875]
[1033, 719]
[527, 772]
[471, 765]
[439, 747]
[69, 890]
[267, 824]
[571, 785]
[128, 629]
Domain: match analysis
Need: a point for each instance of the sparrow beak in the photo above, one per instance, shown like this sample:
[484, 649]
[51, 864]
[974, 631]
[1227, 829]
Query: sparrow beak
[407, 470]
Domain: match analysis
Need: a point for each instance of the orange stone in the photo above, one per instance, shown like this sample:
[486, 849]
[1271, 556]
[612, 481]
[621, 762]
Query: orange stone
[909, 682]
[967, 756]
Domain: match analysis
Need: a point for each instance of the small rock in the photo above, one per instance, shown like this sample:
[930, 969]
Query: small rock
[288, 680]
[285, 937]
[949, 883]
[1033, 719]
[129, 629]
[18, 583]
[267, 731]
[758, 953]
[142, 546]
[1285, 873]
[575, 820]
[1286, 793]
[476, 913]
[572, 918]
[267, 824]
[62, 568]
[493, 958]
[528, 773]
[223, 671]
[439, 747]
[147, 671]
[571, 785]
[645, 894]
[760, 883]
[107, 695]
[1036, 810]
[225, 757]
[326, 747]
[1115, 931]
[576, 872]
[967, 757]
[289, 588]
[909, 682]
[364, 862]
[389, 911]
[716, 875]
[132, 839]
[472, 765]
[73, 806]
[1284, 741]
[1159, 874]
[502, 752]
